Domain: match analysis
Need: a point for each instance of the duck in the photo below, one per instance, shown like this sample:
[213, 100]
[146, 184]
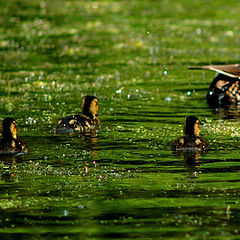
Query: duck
[81, 123]
[11, 144]
[191, 140]
[225, 87]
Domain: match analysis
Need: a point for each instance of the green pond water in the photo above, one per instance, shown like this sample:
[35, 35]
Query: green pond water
[124, 182]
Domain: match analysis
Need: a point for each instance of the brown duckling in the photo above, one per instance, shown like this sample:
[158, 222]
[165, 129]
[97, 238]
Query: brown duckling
[225, 87]
[83, 123]
[191, 140]
[11, 144]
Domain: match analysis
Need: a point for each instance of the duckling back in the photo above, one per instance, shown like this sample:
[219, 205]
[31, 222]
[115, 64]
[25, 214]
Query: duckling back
[80, 123]
[190, 143]
[13, 147]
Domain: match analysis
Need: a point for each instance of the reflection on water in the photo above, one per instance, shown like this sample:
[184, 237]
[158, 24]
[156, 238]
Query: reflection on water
[9, 165]
[191, 158]
[228, 112]
[90, 141]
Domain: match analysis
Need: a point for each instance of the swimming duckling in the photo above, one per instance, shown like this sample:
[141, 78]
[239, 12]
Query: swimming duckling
[191, 140]
[11, 144]
[83, 123]
[225, 87]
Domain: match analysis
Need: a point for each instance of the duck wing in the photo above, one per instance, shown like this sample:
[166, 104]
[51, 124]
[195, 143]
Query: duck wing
[232, 70]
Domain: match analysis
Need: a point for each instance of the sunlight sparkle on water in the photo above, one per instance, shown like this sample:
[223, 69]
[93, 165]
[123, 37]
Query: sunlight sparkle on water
[168, 99]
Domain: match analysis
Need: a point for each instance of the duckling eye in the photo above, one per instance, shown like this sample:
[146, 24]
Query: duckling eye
[95, 101]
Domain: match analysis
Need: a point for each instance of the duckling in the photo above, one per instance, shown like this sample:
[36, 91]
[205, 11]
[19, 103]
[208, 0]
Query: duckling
[83, 123]
[191, 140]
[225, 87]
[11, 144]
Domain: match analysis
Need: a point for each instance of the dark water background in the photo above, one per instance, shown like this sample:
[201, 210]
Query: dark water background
[124, 183]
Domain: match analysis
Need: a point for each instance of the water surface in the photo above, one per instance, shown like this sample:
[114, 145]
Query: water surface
[124, 182]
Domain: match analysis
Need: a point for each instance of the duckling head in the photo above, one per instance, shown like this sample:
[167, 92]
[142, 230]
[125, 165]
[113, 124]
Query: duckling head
[90, 106]
[9, 128]
[191, 126]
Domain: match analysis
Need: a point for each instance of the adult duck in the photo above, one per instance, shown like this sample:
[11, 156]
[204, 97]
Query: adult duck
[225, 87]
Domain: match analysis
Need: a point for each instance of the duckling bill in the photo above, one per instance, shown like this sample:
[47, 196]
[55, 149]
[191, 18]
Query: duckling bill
[191, 140]
[225, 87]
[83, 123]
[11, 144]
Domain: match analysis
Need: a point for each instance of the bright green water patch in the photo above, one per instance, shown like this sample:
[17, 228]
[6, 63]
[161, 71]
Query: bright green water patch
[124, 182]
